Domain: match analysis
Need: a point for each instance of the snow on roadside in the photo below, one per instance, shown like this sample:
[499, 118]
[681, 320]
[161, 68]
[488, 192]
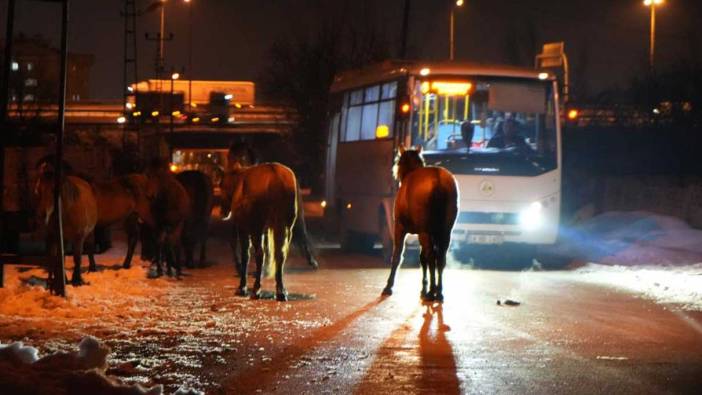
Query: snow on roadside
[680, 285]
[82, 371]
[633, 238]
[109, 291]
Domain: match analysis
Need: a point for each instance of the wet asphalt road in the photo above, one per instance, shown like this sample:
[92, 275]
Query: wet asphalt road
[337, 335]
[564, 337]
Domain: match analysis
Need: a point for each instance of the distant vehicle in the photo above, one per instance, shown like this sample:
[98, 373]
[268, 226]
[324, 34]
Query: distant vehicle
[497, 128]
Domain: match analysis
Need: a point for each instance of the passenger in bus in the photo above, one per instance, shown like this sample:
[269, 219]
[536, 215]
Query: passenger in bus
[467, 132]
[508, 136]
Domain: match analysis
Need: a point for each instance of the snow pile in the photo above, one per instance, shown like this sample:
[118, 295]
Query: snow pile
[680, 285]
[77, 372]
[109, 291]
[633, 238]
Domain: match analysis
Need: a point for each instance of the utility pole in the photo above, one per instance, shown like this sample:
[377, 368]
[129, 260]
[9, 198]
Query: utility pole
[5, 92]
[57, 276]
[130, 62]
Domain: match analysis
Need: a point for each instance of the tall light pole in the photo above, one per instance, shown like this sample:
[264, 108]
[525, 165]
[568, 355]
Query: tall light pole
[190, 54]
[652, 4]
[459, 3]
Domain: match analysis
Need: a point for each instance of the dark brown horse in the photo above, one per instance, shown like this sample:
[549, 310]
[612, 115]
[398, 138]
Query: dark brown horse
[123, 199]
[426, 205]
[262, 203]
[170, 207]
[197, 224]
[242, 154]
[78, 209]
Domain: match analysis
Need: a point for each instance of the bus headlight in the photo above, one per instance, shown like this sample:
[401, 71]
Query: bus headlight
[531, 218]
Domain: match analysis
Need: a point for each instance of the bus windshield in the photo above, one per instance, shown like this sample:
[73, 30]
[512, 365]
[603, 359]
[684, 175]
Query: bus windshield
[482, 125]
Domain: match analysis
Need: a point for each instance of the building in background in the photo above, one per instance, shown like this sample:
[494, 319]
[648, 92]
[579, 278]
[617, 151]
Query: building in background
[35, 70]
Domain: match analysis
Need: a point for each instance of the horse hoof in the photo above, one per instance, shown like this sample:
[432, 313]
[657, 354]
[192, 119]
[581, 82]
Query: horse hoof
[439, 298]
[313, 262]
[126, 266]
[78, 282]
[255, 295]
[281, 296]
[428, 297]
[154, 274]
[386, 291]
[242, 291]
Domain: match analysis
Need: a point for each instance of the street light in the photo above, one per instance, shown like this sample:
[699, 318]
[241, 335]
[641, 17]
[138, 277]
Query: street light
[652, 4]
[190, 53]
[174, 77]
[459, 3]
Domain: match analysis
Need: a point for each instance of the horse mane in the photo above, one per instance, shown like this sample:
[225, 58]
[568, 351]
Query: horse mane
[241, 153]
[406, 162]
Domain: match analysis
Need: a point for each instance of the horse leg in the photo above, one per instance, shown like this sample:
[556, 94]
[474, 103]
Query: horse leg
[281, 243]
[257, 241]
[90, 249]
[77, 279]
[442, 248]
[424, 256]
[132, 227]
[432, 270]
[160, 250]
[173, 240]
[243, 264]
[398, 244]
[299, 237]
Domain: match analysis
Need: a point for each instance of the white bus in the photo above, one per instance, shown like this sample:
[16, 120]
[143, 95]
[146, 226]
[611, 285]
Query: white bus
[509, 172]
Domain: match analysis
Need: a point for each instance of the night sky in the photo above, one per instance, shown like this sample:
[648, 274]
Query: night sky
[606, 40]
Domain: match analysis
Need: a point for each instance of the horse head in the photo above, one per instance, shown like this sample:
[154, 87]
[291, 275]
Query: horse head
[240, 155]
[138, 185]
[406, 161]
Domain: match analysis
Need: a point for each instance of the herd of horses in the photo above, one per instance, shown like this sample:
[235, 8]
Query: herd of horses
[170, 214]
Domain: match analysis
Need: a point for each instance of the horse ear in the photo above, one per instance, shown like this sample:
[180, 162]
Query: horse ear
[419, 149]
[402, 149]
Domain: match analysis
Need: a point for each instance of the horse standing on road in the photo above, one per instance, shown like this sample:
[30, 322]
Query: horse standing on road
[427, 205]
[241, 154]
[78, 209]
[170, 207]
[261, 202]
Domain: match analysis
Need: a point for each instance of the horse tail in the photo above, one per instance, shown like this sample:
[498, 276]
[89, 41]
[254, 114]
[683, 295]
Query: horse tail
[299, 236]
[444, 204]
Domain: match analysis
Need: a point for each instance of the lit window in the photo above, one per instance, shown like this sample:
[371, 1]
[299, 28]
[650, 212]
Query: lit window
[15, 66]
[28, 98]
[30, 82]
[30, 67]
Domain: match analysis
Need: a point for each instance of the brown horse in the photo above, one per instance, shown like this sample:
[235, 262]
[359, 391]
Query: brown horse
[242, 154]
[197, 225]
[170, 207]
[123, 199]
[78, 209]
[262, 202]
[426, 205]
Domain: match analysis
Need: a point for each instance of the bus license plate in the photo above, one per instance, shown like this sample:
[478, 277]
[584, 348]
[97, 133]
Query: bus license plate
[485, 239]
